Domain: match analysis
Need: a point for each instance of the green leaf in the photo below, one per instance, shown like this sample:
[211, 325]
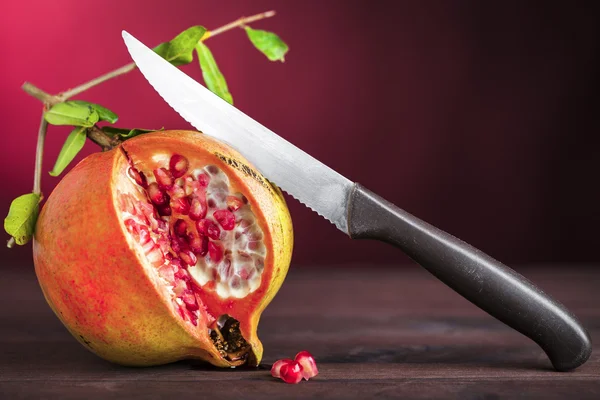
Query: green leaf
[71, 113]
[213, 77]
[127, 133]
[180, 50]
[72, 146]
[104, 114]
[21, 218]
[268, 43]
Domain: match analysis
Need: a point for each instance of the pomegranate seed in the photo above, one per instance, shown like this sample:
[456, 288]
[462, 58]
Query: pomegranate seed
[127, 204]
[291, 372]
[175, 246]
[164, 178]
[276, 368]
[197, 209]
[203, 180]
[309, 365]
[180, 227]
[162, 225]
[157, 196]
[211, 203]
[147, 209]
[188, 185]
[180, 287]
[225, 218]
[208, 228]
[188, 257]
[177, 191]
[131, 225]
[144, 234]
[190, 300]
[164, 210]
[213, 170]
[215, 251]
[199, 244]
[164, 244]
[178, 165]
[166, 272]
[182, 274]
[147, 247]
[181, 205]
[138, 177]
[155, 256]
[233, 203]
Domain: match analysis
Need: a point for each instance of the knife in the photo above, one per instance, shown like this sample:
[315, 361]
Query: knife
[362, 214]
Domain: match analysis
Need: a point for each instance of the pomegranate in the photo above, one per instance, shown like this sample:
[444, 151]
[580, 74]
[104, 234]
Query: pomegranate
[167, 247]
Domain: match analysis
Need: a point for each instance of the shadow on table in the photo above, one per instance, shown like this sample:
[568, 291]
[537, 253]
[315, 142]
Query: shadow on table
[471, 357]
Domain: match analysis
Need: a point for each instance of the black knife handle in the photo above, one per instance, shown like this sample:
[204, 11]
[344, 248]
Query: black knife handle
[487, 283]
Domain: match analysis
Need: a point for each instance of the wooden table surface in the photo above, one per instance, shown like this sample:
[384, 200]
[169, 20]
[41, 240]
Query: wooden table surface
[375, 332]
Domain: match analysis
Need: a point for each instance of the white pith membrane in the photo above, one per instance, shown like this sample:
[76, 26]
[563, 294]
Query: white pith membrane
[183, 220]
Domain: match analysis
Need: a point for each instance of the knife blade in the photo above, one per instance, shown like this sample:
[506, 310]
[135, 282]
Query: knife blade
[294, 171]
[362, 214]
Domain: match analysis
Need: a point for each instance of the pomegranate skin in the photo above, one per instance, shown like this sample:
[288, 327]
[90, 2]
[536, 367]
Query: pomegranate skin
[101, 290]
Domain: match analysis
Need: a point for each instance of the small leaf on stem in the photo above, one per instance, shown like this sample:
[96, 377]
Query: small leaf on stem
[72, 146]
[268, 43]
[214, 79]
[126, 133]
[104, 114]
[21, 218]
[180, 50]
[71, 113]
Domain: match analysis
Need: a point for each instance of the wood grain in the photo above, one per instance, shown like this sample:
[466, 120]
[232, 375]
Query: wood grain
[376, 333]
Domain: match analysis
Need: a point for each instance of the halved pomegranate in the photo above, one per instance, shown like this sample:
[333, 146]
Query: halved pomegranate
[165, 248]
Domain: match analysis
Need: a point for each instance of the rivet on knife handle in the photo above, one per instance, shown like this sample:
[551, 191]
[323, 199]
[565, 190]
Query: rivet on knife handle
[487, 283]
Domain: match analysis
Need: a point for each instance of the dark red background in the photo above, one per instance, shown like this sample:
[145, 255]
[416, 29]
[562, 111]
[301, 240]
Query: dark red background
[479, 117]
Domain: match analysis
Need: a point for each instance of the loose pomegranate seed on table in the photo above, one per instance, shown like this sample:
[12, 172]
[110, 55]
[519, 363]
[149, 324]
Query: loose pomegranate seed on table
[309, 365]
[303, 366]
[276, 368]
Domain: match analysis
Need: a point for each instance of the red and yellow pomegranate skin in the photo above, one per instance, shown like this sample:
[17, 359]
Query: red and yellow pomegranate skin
[101, 288]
